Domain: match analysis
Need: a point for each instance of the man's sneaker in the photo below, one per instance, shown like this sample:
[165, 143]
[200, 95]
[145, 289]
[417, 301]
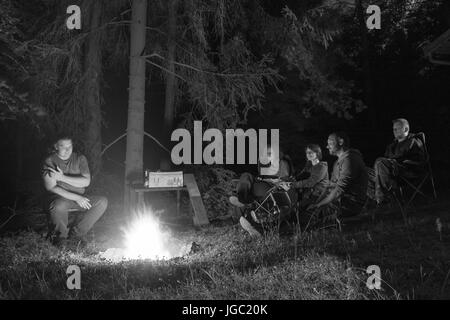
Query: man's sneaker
[77, 240]
[253, 214]
[73, 244]
[249, 228]
[73, 232]
[55, 239]
[58, 242]
[235, 202]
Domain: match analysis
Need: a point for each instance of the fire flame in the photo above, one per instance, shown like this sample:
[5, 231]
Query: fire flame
[145, 240]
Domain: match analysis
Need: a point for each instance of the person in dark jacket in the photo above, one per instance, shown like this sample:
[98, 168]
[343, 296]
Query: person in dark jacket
[313, 179]
[346, 193]
[251, 188]
[404, 156]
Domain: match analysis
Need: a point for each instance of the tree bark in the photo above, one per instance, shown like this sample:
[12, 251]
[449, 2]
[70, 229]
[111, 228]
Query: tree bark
[136, 102]
[169, 110]
[20, 137]
[93, 65]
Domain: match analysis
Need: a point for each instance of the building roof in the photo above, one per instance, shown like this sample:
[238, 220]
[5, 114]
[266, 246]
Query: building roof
[438, 51]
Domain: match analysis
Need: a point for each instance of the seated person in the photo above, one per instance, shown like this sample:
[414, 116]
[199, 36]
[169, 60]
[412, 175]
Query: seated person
[405, 156]
[346, 192]
[66, 176]
[251, 188]
[313, 179]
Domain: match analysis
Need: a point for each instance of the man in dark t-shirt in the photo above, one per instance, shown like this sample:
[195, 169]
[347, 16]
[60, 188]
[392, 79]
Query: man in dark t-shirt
[345, 194]
[66, 176]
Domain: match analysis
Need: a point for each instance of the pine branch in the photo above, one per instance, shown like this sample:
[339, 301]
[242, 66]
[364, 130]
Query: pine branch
[166, 70]
[208, 72]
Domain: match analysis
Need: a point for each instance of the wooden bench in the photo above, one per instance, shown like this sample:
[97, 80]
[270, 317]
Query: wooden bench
[200, 217]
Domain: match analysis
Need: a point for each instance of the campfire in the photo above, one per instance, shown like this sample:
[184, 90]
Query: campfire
[146, 239]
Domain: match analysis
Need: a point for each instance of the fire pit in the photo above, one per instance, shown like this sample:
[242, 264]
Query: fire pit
[144, 239]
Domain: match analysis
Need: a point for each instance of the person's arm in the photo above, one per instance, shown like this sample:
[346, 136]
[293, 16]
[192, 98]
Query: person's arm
[51, 186]
[340, 186]
[315, 177]
[81, 181]
[303, 175]
[322, 195]
[414, 154]
[388, 152]
[328, 199]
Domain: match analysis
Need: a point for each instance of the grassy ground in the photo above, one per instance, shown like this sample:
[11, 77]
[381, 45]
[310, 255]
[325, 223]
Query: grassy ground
[413, 255]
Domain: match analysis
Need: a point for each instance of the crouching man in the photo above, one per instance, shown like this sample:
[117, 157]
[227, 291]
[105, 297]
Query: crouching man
[66, 176]
[345, 195]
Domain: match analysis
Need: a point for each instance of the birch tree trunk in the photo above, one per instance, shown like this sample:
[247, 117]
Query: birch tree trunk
[136, 101]
[93, 65]
[169, 109]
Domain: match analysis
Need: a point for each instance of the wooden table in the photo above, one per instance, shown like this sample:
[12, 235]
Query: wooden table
[190, 185]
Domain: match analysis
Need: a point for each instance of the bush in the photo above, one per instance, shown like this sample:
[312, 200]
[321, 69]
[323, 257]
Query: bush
[215, 185]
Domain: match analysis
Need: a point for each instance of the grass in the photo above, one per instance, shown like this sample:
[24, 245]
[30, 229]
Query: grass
[414, 259]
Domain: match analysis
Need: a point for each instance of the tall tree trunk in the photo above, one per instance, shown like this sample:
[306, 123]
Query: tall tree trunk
[136, 101]
[169, 110]
[20, 137]
[93, 65]
[222, 24]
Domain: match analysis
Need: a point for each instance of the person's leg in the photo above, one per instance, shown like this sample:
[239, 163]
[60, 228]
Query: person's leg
[91, 216]
[249, 227]
[59, 214]
[250, 191]
[308, 217]
[323, 217]
[371, 184]
[244, 188]
[385, 172]
[294, 204]
[314, 218]
[247, 223]
[350, 207]
[286, 202]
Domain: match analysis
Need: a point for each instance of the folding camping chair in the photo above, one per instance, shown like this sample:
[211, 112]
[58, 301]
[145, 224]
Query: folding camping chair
[270, 210]
[416, 183]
